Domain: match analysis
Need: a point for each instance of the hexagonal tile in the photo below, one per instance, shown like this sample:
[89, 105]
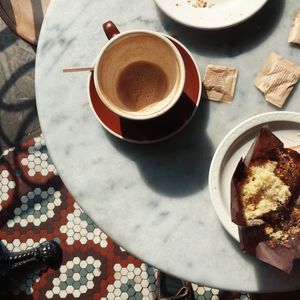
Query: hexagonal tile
[4, 173]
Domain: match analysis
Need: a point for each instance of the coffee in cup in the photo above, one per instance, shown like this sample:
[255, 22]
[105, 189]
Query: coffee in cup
[139, 74]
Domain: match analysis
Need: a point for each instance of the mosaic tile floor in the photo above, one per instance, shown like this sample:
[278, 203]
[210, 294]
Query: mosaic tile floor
[35, 206]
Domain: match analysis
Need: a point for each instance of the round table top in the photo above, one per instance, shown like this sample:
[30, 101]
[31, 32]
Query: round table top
[153, 199]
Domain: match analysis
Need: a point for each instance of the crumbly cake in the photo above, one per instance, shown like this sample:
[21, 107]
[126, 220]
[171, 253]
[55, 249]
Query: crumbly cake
[262, 192]
[268, 186]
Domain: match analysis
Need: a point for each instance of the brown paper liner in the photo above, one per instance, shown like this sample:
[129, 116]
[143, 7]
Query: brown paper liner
[253, 240]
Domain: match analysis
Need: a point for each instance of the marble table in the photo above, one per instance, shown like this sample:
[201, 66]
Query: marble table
[153, 199]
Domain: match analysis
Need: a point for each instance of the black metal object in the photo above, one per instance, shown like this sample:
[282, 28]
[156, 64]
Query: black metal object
[13, 264]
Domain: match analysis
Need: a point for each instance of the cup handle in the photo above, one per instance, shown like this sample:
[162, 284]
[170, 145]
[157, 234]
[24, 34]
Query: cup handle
[110, 29]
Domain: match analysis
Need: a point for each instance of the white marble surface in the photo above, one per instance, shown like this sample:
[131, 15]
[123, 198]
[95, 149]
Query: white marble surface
[153, 199]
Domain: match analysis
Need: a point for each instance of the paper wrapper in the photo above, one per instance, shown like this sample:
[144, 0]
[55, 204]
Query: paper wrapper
[220, 82]
[253, 239]
[294, 36]
[277, 79]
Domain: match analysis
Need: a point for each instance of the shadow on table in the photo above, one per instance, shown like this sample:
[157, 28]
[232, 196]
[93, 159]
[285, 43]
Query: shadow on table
[179, 165]
[232, 41]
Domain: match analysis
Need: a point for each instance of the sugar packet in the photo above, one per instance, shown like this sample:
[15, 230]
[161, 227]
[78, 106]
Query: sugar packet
[277, 79]
[294, 36]
[220, 82]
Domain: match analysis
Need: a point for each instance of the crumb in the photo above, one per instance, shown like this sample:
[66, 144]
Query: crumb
[197, 3]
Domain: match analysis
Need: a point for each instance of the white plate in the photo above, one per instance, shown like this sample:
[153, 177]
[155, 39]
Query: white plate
[235, 145]
[223, 13]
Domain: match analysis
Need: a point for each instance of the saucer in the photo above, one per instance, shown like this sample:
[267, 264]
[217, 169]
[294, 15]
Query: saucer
[162, 127]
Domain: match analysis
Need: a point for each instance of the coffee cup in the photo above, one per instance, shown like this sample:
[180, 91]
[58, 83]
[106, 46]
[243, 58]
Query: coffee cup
[138, 74]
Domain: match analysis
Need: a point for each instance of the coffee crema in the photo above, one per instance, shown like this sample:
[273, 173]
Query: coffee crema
[141, 84]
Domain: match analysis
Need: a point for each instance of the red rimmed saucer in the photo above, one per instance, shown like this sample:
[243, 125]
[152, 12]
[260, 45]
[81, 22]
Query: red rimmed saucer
[162, 127]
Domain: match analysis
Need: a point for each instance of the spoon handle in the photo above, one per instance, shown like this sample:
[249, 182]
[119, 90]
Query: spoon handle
[81, 69]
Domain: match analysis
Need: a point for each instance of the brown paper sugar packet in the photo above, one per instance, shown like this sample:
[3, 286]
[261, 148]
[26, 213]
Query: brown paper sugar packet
[277, 79]
[294, 36]
[219, 83]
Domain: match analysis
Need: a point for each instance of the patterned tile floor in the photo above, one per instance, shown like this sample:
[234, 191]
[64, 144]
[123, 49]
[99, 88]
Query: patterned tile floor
[36, 206]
